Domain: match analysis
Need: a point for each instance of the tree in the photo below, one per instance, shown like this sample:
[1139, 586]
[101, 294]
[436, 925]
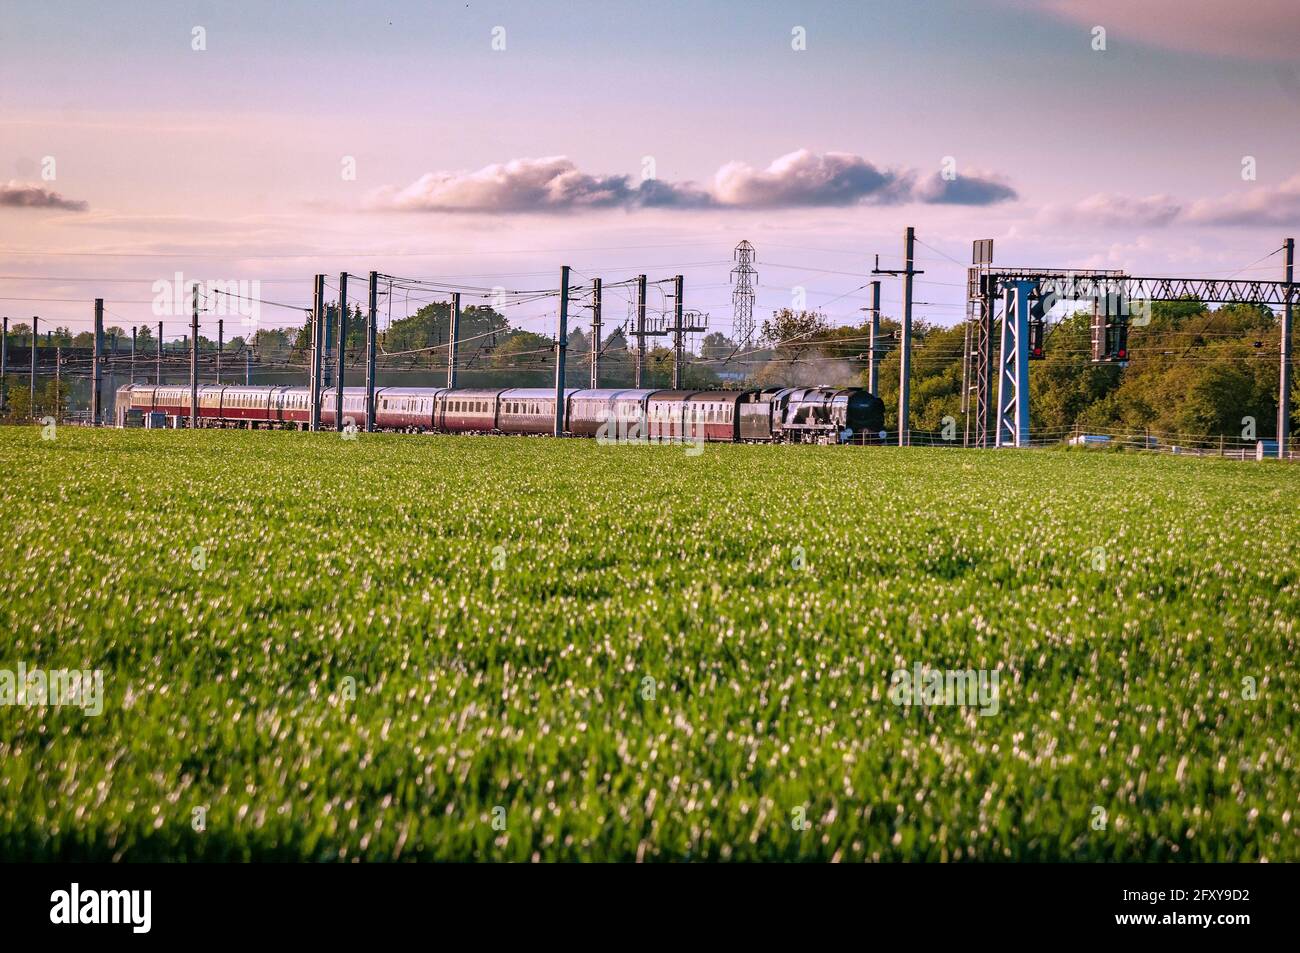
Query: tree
[431, 327]
[794, 339]
[717, 346]
[52, 400]
[523, 350]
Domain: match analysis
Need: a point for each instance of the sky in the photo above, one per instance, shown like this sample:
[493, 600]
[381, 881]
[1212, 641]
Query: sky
[488, 144]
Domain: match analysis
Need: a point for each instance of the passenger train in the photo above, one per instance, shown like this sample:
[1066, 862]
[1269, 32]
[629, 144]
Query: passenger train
[774, 415]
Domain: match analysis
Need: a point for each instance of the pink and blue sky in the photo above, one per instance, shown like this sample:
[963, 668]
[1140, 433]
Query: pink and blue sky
[495, 166]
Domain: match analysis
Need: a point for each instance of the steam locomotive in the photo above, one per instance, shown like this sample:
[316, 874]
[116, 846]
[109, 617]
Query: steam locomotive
[774, 415]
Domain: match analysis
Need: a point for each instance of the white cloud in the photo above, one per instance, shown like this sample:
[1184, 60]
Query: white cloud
[804, 178]
[971, 188]
[1110, 209]
[551, 184]
[1260, 205]
[800, 179]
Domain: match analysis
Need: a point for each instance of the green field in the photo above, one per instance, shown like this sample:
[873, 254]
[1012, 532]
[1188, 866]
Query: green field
[501, 606]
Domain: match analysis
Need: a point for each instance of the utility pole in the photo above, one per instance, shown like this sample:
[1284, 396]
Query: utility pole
[905, 344]
[4, 365]
[965, 382]
[58, 382]
[96, 365]
[133, 332]
[341, 344]
[31, 406]
[327, 346]
[873, 359]
[454, 318]
[112, 362]
[158, 374]
[248, 365]
[1284, 384]
[677, 332]
[595, 333]
[317, 342]
[221, 345]
[640, 328]
[372, 333]
[561, 343]
[194, 358]
[311, 355]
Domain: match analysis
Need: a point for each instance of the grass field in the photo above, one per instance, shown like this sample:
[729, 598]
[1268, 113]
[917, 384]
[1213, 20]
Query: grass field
[513, 648]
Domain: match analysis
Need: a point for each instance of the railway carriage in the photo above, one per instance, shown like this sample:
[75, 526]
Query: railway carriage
[712, 414]
[620, 412]
[354, 407]
[528, 410]
[291, 405]
[666, 415]
[140, 397]
[467, 411]
[788, 415]
[173, 401]
[405, 408]
[236, 404]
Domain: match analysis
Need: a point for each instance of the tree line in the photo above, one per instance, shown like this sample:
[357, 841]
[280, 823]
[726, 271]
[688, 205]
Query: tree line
[1192, 371]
